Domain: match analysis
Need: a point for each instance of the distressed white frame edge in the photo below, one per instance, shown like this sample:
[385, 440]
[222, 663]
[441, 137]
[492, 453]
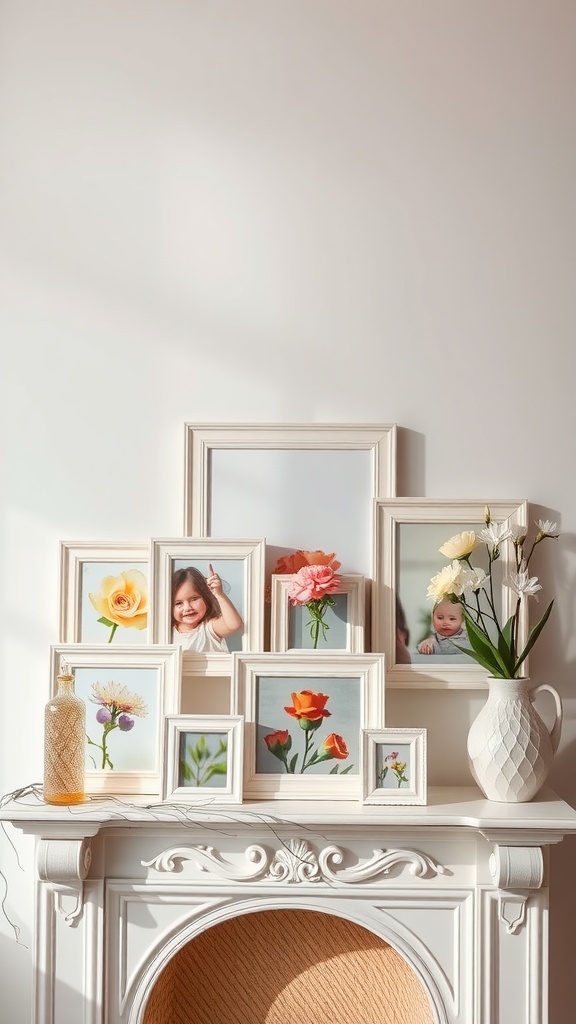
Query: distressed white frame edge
[163, 551]
[352, 584]
[246, 667]
[72, 555]
[175, 725]
[201, 438]
[388, 513]
[168, 660]
[417, 739]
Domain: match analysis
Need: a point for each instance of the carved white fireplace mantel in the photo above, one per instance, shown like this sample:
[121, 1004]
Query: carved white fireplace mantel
[458, 888]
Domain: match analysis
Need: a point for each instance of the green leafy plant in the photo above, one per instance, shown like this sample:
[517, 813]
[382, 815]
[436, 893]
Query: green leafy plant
[199, 764]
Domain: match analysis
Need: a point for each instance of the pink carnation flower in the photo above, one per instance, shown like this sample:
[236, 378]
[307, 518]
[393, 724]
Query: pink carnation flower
[312, 583]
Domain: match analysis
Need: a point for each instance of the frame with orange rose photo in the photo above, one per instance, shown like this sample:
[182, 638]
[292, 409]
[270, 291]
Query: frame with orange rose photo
[104, 593]
[304, 714]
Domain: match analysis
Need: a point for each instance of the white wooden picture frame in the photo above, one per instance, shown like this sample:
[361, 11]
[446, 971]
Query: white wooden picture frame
[241, 560]
[394, 767]
[203, 759]
[84, 567]
[240, 481]
[346, 620]
[343, 692]
[151, 673]
[408, 534]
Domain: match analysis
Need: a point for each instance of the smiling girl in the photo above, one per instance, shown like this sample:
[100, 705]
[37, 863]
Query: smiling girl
[202, 615]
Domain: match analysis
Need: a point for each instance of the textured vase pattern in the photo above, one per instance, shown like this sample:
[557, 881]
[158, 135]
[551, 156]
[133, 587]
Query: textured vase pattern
[64, 742]
[510, 750]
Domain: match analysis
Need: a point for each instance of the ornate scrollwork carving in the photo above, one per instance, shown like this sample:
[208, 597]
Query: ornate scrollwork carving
[297, 860]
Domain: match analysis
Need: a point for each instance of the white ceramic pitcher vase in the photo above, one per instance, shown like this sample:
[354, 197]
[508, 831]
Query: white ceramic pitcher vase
[510, 750]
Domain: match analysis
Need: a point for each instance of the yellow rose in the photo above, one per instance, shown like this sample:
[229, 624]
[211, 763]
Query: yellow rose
[460, 545]
[123, 599]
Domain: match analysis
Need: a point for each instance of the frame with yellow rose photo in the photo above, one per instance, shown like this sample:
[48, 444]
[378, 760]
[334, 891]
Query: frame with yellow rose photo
[408, 535]
[303, 717]
[104, 592]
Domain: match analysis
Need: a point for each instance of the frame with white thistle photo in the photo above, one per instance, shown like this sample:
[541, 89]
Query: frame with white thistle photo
[104, 593]
[127, 692]
[419, 543]
[203, 759]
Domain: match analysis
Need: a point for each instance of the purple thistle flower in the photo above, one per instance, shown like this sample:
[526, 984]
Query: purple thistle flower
[125, 723]
[103, 716]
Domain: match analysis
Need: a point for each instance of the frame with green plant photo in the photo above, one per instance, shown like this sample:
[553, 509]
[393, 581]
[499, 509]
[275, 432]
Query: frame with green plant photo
[203, 759]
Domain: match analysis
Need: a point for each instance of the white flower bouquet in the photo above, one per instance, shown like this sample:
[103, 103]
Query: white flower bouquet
[493, 644]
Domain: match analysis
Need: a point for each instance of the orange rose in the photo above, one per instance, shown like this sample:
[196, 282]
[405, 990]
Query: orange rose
[280, 738]
[310, 706]
[334, 746]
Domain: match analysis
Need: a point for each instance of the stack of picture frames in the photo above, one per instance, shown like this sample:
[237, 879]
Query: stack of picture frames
[271, 717]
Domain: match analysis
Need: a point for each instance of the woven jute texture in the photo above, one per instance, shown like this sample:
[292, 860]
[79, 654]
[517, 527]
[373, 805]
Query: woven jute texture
[287, 967]
[64, 746]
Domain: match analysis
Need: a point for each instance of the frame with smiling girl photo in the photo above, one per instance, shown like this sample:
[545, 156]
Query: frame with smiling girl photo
[208, 595]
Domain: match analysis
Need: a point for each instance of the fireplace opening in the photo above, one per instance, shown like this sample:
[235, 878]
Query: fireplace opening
[287, 967]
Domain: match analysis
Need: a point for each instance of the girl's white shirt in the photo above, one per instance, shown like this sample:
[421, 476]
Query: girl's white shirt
[201, 639]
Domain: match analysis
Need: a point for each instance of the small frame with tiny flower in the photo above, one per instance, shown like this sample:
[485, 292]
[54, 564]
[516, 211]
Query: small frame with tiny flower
[304, 713]
[409, 536]
[394, 766]
[344, 619]
[127, 692]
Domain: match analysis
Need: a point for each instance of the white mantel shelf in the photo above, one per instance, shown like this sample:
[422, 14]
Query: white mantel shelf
[547, 818]
[459, 887]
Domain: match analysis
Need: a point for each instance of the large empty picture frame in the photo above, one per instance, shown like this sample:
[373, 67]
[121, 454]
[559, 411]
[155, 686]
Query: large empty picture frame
[300, 486]
[409, 533]
[303, 719]
[240, 565]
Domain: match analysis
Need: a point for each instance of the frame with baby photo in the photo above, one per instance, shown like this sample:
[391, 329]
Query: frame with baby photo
[104, 593]
[240, 566]
[408, 535]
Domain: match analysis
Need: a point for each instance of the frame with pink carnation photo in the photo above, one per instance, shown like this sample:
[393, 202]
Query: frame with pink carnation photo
[303, 717]
[345, 619]
[409, 533]
[127, 692]
[104, 593]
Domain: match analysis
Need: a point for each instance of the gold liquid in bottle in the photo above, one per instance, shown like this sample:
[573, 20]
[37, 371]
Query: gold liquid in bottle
[64, 743]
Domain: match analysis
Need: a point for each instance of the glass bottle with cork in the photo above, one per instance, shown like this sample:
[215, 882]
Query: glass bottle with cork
[64, 742]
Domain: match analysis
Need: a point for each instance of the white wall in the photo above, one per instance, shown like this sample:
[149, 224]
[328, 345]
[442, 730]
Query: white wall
[285, 210]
